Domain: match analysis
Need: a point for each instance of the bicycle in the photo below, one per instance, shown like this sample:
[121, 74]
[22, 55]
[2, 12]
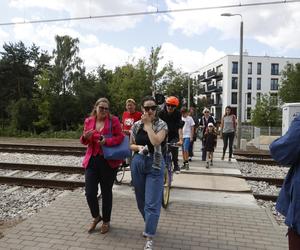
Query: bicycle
[168, 176]
[121, 172]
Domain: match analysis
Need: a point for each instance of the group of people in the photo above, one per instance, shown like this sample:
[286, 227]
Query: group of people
[149, 132]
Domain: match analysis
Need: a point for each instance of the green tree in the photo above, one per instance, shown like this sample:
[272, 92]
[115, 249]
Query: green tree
[66, 72]
[67, 65]
[266, 112]
[18, 66]
[23, 112]
[128, 81]
[289, 90]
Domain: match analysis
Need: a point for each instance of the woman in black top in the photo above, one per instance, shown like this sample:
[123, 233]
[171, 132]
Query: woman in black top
[148, 140]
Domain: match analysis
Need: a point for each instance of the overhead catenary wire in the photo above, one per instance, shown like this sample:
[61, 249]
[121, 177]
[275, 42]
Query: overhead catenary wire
[149, 12]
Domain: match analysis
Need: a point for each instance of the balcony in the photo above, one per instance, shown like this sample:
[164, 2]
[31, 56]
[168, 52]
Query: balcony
[201, 78]
[213, 88]
[210, 74]
[201, 90]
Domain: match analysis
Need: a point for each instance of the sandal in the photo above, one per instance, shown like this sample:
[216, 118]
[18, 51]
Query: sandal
[104, 227]
[94, 223]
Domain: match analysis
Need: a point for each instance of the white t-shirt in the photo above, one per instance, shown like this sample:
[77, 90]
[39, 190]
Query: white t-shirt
[187, 128]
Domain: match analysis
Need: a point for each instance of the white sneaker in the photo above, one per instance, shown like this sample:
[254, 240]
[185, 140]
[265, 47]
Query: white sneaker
[148, 245]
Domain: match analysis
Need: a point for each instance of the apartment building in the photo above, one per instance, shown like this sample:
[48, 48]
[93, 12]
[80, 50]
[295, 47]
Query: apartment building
[219, 81]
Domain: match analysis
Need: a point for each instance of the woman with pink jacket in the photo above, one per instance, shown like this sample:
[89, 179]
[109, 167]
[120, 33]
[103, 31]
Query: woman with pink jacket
[97, 169]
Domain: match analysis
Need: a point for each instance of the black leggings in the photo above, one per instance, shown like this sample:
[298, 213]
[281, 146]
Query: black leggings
[98, 171]
[228, 137]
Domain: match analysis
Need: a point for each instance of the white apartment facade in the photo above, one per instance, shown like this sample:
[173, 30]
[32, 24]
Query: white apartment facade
[219, 81]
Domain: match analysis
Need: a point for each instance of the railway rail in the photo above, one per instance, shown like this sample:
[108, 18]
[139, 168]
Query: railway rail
[72, 184]
[42, 149]
[259, 161]
[41, 183]
[266, 197]
[272, 181]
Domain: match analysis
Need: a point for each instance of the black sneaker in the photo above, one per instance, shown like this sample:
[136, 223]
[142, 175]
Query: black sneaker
[207, 164]
[176, 170]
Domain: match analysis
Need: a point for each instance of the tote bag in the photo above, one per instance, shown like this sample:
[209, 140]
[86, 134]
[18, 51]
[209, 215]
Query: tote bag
[116, 152]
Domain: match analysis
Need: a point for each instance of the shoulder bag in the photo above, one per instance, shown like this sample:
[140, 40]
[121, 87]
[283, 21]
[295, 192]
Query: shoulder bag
[116, 152]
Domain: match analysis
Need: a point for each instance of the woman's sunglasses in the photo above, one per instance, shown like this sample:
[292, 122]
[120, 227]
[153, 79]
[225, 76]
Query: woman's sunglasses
[153, 108]
[103, 108]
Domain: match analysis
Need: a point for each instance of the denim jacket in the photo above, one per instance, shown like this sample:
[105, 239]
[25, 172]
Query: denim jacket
[286, 151]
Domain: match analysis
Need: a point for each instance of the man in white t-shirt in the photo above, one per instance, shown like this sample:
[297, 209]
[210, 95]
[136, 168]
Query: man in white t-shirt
[188, 134]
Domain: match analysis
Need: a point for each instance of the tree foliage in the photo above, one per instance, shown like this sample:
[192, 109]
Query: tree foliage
[289, 90]
[41, 92]
[266, 112]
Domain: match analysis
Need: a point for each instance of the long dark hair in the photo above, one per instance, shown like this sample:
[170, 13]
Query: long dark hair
[150, 98]
[228, 107]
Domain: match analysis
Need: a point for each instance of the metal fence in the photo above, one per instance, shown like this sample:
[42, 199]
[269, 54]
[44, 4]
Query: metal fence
[251, 132]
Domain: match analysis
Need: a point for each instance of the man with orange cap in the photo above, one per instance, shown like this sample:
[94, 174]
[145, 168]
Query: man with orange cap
[172, 117]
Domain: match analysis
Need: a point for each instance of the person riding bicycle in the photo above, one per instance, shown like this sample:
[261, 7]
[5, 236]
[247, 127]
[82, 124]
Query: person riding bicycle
[172, 117]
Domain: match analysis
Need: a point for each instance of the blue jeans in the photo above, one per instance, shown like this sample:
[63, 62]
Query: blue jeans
[148, 184]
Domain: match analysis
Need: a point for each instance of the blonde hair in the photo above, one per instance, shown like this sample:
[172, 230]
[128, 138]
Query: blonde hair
[205, 109]
[130, 100]
[102, 99]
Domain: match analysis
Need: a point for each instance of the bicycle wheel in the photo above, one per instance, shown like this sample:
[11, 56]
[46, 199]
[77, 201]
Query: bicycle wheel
[166, 189]
[120, 174]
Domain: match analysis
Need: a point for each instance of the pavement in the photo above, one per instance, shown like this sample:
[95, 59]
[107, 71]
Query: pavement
[209, 209]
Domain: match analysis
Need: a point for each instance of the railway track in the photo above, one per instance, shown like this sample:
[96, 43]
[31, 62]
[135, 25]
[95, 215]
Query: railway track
[266, 197]
[257, 154]
[272, 181]
[270, 162]
[41, 183]
[50, 182]
[42, 149]
[50, 173]
[262, 158]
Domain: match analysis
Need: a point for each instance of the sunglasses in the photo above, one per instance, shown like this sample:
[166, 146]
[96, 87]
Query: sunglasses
[153, 108]
[103, 108]
[171, 106]
[206, 112]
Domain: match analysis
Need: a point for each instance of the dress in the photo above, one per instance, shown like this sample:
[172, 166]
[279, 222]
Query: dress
[210, 141]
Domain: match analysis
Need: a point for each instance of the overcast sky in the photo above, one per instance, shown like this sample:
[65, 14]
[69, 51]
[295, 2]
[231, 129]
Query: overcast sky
[189, 39]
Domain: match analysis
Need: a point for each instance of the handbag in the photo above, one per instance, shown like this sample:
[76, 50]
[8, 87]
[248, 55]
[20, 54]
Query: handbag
[200, 133]
[116, 152]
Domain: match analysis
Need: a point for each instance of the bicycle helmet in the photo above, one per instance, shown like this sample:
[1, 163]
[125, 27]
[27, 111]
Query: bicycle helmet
[172, 100]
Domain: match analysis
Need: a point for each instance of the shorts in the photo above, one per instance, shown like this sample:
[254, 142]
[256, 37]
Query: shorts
[186, 144]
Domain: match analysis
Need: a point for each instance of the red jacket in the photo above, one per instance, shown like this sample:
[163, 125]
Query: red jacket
[93, 142]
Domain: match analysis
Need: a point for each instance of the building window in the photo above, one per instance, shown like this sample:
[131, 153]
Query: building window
[234, 83]
[258, 84]
[249, 68]
[249, 85]
[259, 68]
[274, 69]
[234, 67]
[233, 98]
[248, 113]
[258, 96]
[274, 99]
[274, 84]
[249, 98]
